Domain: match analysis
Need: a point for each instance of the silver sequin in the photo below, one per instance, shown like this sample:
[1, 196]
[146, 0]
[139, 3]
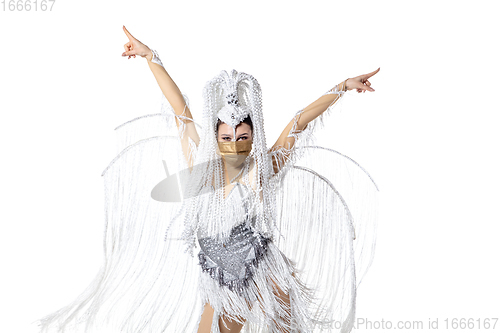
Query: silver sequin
[232, 262]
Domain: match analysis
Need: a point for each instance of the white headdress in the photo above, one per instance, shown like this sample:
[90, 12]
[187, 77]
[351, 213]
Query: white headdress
[233, 112]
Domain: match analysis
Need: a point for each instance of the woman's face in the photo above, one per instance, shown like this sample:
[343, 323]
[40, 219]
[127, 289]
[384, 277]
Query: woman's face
[225, 133]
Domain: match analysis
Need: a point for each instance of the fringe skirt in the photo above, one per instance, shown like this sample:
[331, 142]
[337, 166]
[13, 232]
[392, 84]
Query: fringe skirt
[247, 279]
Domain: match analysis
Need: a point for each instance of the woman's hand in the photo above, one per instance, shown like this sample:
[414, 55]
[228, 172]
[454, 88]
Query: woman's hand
[135, 47]
[361, 83]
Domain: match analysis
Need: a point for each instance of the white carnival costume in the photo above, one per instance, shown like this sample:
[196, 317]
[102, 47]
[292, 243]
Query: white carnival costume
[308, 229]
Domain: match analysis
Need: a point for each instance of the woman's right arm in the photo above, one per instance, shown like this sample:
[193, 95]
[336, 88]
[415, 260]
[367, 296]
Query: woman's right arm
[173, 94]
[286, 140]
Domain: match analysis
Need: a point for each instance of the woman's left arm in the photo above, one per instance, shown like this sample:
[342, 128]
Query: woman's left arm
[315, 109]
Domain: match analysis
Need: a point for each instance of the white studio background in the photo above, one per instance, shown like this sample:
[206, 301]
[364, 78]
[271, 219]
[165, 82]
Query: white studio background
[428, 135]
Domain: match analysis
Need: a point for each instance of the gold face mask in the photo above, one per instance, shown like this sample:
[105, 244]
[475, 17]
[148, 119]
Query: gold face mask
[235, 147]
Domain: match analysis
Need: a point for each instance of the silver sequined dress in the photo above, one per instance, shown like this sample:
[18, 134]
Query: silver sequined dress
[241, 270]
[233, 260]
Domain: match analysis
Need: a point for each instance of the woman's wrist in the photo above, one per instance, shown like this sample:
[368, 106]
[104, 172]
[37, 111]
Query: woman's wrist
[339, 89]
[345, 86]
[149, 55]
[153, 56]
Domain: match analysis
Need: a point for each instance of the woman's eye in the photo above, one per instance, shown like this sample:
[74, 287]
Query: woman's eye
[226, 138]
[242, 138]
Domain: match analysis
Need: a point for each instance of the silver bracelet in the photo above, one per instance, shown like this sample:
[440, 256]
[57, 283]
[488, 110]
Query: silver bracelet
[336, 90]
[156, 58]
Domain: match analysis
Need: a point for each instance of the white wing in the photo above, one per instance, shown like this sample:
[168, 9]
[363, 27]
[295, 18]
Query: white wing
[327, 217]
[147, 283]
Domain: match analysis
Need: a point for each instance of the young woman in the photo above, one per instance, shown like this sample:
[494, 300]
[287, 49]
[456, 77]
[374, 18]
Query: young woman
[273, 239]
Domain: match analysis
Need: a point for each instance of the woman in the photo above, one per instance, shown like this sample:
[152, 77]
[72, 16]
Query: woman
[237, 203]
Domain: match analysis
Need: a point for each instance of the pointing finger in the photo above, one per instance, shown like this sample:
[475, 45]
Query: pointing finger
[128, 33]
[372, 73]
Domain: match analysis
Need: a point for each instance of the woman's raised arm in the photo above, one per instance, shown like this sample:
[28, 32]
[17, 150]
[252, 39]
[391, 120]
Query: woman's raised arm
[184, 118]
[286, 140]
